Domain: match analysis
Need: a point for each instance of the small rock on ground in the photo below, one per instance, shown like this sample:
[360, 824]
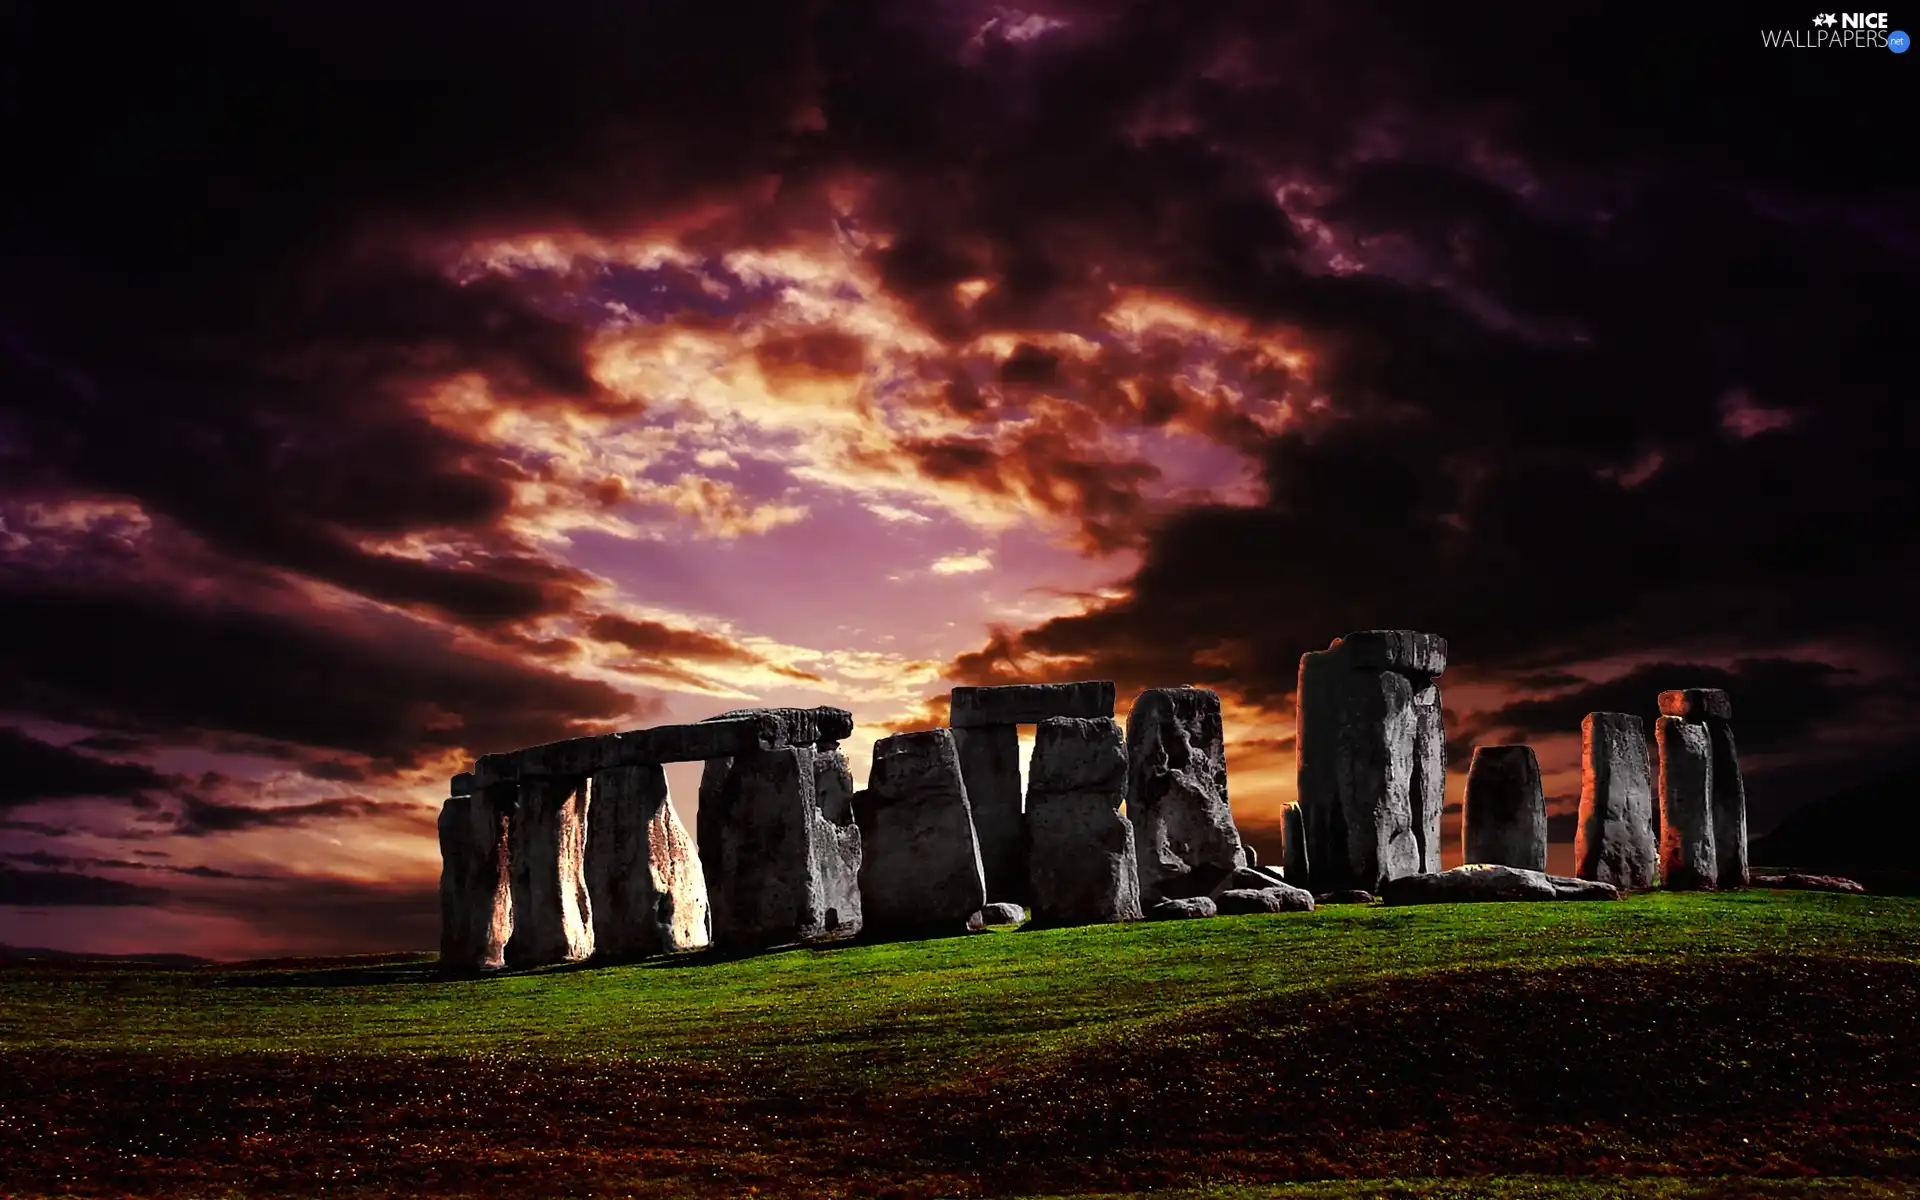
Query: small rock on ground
[1183, 908]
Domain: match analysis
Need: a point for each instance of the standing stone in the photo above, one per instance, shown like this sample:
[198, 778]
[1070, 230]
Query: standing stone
[1177, 791]
[1293, 860]
[777, 868]
[1080, 849]
[552, 912]
[1689, 860]
[476, 878]
[922, 858]
[1714, 709]
[1427, 792]
[1376, 778]
[836, 842]
[990, 766]
[1615, 841]
[1505, 821]
[643, 874]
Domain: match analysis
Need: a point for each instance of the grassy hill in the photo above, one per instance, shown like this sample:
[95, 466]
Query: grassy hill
[1664, 1046]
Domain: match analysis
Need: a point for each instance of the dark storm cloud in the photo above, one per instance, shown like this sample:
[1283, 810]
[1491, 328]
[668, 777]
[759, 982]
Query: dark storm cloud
[51, 889]
[32, 770]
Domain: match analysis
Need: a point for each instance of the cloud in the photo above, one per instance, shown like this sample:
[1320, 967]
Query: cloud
[32, 770]
[962, 564]
[51, 889]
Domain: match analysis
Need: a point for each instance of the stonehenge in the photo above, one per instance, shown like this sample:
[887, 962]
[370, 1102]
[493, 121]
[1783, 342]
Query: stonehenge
[1371, 758]
[572, 850]
[1616, 840]
[1504, 823]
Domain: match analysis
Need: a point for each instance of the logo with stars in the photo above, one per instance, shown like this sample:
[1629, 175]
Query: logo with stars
[1825, 19]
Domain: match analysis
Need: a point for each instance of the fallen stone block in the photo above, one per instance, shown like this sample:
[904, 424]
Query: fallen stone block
[1295, 868]
[1479, 882]
[997, 914]
[1080, 849]
[1029, 703]
[1615, 840]
[1402, 650]
[1350, 896]
[643, 871]
[552, 911]
[1795, 881]
[1252, 876]
[1505, 819]
[990, 766]
[476, 880]
[1689, 860]
[921, 867]
[1183, 908]
[1177, 789]
[778, 870]
[1279, 898]
[1696, 704]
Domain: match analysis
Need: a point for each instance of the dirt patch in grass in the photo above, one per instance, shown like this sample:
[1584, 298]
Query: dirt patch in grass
[1779, 1067]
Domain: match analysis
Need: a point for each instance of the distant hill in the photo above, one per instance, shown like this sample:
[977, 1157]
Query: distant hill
[1875, 826]
[16, 954]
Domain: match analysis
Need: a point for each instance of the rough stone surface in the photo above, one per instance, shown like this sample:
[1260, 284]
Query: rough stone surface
[1279, 898]
[1794, 880]
[1184, 908]
[1029, 703]
[1177, 789]
[1505, 819]
[476, 885]
[1080, 849]
[1696, 704]
[1688, 859]
[1248, 876]
[1427, 790]
[1350, 896]
[922, 858]
[738, 732]
[990, 765]
[552, 912]
[997, 913]
[1486, 881]
[1615, 840]
[1402, 650]
[1729, 808]
[822, 728]
[778, 870]
[1293, 859]
[462, 785]
[643, 872]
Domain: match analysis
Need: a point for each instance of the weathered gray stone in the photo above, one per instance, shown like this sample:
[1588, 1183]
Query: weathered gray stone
[739, 732]
[1402, 650]
[1080, 849]
[779, 727]
[643, 872]
[476, 882]
[1028, 703]
[998, 913]
[778, 870]
[1350, 896]
[1250, 876]
[1505, 819]
[552, 912]
[1488, 881]
[1794, 880]
[1177, 789]
[1696, 704]
[838, 849]
[1376, 779]
[1253, 856]
[1278, 898]
[922, 857]
[1294, 866]
[1729, 808]
[1688, 858]
[1427, 790]
[990, 765]
[462, 785]
[1183, 908]
[1615, 841]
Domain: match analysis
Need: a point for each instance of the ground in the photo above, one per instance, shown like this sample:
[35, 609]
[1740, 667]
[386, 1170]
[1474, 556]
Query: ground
[1756, 1044]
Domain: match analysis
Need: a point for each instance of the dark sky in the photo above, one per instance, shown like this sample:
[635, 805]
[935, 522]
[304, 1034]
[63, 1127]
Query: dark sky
[381, 385]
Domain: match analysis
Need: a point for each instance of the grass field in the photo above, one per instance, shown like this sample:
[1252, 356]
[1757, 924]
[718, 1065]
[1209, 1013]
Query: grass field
[1758, 1044]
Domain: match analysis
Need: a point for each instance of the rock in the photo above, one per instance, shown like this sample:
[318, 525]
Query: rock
[476, 883]
[823, 728]
[739, 732]
[643, 872]
[1249, 877]
[1350, 896]
[462, 785]
[1793, 880]
[1729, 808]
[1485, 882]
[1615, 841]
[997, 914]
[1427, 790]
[838, 848]
[1177, 789]
[990, 765]
[1028, 703]
[778, 870]
[1279, 898]
[922, 859]
[1080, 849]
[1253, 856]
[1505, 819]
[1183, 908]
[1401, 650]
[1688, 858]
[1295, 867]
[1696, 704]
[552, 912]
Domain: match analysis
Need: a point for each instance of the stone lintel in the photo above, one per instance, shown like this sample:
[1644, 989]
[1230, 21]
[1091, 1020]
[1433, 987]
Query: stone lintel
[1030, 703]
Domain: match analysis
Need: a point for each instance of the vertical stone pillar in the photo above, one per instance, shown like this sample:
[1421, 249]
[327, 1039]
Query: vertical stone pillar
[1615, 841]
[649, 895]
[1177, 793]
[772, 859]
[1427, 791]
[476, 885]
[552, 912]
[921, 867]
[1081, 850]
[1505, 820]
[990, 767]
[1295, 868]
[1689, 860]
[1712, 708]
